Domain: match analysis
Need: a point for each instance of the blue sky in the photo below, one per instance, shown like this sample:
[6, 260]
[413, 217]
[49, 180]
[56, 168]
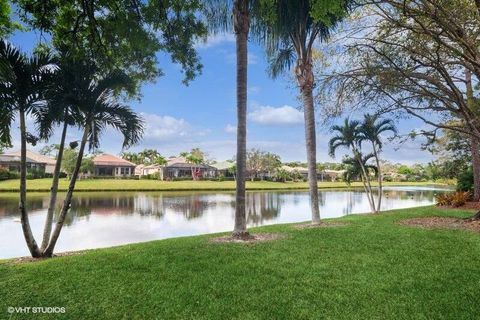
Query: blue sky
[203, 114]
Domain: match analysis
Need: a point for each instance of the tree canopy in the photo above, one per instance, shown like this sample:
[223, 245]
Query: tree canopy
[124, 35]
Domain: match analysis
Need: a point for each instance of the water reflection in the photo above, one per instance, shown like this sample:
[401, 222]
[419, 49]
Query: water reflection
[107, 219]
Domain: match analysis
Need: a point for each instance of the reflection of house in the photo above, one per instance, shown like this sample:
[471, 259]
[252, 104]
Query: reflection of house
[107, 165]
[35, 161]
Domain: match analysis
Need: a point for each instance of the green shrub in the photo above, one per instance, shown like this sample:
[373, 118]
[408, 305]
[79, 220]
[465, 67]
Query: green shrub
[465, 181]
[4, 174]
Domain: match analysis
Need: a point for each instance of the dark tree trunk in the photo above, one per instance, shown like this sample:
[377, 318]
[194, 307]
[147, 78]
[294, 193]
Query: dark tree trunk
[47, 231]
[68, 198]
[476, 167]
[27, 231]
[476, 217]
[304, 74]
[473, 140]
[241, 25]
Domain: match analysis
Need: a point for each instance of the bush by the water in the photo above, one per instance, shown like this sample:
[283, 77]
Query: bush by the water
[454, 199]
[465, 181]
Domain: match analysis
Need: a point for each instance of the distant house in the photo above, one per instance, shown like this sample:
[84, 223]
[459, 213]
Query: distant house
[180, 168]
[224, 168]
[35, 161]
[139, 169]
[300, 170]
[107, 165]
[331, 175]
[322, 175]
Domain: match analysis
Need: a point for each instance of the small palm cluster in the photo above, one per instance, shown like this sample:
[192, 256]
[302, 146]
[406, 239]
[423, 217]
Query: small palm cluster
[59, 91]
[355, 135]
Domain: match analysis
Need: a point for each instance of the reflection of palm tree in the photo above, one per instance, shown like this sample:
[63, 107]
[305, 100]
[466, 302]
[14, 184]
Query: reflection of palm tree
[191, 207]
[149, 205]
[9, 206]
[262, 206]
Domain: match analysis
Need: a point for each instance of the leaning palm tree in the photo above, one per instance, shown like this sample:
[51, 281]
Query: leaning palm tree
[291, 30]
[98, 110]
[349, 136]
[371, 130]
[23, 80]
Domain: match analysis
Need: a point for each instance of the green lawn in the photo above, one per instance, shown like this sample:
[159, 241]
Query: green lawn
[155, 185]
[371, 269]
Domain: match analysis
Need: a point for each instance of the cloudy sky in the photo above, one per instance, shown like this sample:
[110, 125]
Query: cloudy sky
[203, 114]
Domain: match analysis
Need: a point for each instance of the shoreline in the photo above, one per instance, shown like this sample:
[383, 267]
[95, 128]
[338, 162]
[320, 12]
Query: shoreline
[115, 185]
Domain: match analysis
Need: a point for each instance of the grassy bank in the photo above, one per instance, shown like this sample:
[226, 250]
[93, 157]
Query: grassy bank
[43, 185]
[370, 269]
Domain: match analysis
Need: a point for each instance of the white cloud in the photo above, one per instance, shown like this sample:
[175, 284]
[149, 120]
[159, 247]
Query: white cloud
[230, 129]
[254, 89]
[285, 115]
[214, 40]
[165, 127]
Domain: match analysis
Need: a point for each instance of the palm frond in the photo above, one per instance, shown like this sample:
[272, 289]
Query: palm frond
[281, 61]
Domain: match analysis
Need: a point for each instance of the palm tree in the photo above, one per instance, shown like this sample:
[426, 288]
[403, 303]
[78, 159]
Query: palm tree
[61, 109]
[290, 35]
[23, 80]
[99, 110]
[219, 14]
[349, 136]
[354, 170]
[371, 130]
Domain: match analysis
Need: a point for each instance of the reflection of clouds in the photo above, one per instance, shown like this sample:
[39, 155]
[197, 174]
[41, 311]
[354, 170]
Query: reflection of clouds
[108, 219]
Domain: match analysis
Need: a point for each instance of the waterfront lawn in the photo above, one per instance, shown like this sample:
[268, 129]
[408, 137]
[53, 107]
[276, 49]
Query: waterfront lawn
[43, 185]
[371, 269]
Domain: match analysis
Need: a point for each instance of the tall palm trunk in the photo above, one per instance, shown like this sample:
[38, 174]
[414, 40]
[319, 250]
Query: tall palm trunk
[380, 178]
[304, 74]
[47, 230]
[27, 231]
[68, 198]
[473, 140]
[241, 26]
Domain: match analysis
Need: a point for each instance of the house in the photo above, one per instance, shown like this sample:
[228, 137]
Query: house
[107, 165]
[224, 169]
[331, 175]
[301, 171]
[35, 161]
[322, 175]
[139, 169]
[180, 168]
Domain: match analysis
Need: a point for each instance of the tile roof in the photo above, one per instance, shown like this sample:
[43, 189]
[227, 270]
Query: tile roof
[33, 157]
[111, 160]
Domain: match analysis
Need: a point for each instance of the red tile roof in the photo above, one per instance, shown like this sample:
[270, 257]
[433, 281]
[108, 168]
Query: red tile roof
[110, 160]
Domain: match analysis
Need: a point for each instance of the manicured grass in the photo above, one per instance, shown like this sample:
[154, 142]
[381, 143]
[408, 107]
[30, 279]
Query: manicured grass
[155, 185]
[370, 269]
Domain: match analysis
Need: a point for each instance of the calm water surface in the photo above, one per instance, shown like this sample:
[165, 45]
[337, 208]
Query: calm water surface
[114, 218]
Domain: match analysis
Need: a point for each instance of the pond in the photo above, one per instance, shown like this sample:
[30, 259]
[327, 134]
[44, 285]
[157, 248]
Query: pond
[113, 218]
